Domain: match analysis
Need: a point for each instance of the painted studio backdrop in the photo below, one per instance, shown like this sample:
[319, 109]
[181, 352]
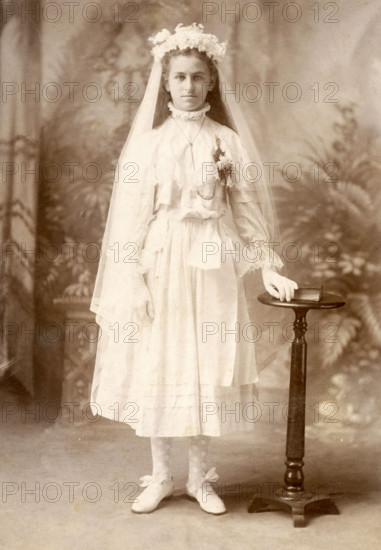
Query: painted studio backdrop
[309, 78]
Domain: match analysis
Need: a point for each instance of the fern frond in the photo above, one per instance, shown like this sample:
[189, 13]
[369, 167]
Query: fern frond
[359, 196]
[343, 202]
[335, 345]
[369, 310]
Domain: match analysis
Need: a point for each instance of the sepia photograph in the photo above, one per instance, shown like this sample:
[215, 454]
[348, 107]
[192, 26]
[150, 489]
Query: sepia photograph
[190, 274]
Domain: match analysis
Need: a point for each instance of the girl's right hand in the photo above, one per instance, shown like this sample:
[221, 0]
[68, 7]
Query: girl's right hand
[142, 305]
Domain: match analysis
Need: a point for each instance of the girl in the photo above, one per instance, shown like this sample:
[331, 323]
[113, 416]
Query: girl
[169, 294]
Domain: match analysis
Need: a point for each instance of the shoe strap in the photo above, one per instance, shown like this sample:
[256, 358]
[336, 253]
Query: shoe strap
[211, 475]
[148, 480]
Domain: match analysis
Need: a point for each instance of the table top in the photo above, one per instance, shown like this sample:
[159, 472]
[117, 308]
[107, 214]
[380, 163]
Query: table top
[328, 301]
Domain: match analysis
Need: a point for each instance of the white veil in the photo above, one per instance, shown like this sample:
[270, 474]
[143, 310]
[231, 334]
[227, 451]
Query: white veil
[123, 214]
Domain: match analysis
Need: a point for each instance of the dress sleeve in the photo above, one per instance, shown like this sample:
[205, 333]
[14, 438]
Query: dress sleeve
[252, 227]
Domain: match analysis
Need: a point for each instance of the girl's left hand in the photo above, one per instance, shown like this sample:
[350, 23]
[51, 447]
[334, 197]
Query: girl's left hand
[278, 286]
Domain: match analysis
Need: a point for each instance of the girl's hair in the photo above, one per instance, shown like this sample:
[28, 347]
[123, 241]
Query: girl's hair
[217, 111]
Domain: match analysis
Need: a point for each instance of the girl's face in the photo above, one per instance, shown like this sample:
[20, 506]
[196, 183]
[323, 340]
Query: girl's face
[189, 80]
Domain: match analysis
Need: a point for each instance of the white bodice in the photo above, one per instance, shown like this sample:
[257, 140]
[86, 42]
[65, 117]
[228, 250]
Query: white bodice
[185, 178]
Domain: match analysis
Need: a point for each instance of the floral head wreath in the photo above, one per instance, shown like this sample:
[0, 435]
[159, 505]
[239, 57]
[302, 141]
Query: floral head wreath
[192, 36]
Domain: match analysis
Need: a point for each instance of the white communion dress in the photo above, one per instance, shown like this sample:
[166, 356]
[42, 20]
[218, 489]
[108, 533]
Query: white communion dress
[192, 369]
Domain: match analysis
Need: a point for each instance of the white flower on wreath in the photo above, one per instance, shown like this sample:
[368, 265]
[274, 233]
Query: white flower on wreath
[161, 36]
[191, 36]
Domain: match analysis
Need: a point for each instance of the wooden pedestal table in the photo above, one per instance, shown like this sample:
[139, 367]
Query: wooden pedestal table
[292, 497]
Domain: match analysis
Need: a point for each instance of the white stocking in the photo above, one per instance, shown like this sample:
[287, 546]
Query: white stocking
[198, 451]
[161, 458]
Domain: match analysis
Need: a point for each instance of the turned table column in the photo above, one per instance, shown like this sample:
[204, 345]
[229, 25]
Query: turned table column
[292, 497]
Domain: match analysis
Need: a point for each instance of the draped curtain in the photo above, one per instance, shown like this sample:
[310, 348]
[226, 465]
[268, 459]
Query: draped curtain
[19, 154]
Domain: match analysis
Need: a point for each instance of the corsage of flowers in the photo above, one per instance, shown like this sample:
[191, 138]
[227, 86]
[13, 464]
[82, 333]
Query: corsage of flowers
[224, 166]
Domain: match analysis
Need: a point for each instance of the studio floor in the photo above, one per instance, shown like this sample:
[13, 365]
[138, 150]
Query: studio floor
[69, 485]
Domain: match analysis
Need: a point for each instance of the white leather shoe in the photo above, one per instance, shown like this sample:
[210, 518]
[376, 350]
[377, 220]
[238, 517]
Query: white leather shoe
[151, 497]
[206, 496]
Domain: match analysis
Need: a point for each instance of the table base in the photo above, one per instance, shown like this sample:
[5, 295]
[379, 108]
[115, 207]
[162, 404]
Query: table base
[298, 505]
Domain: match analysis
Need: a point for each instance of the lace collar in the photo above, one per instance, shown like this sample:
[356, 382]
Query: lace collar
[188, 115]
